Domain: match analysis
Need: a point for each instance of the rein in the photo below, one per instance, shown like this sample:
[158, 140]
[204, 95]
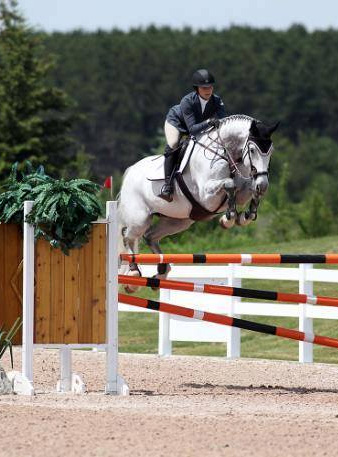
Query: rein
[228, 157]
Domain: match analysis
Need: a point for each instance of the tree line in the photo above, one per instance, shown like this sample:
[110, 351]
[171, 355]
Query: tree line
[125, 82]
[92, 103]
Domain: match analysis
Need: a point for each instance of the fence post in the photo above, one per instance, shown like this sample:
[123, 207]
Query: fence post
[115, 384]
[305, 323]
[164, 343]
[65, 382]
[234, 334]
[28, 296]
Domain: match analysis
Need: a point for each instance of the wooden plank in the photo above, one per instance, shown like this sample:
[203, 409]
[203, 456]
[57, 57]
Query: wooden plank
[99, 285]
[42, 313]
[86, 293]
[12, 276]
[10, 258]
[102, 303]
[57, 296]
[71, 283]
[2, 274]
[17, 281]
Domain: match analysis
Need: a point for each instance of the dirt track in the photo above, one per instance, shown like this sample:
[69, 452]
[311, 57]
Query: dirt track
[179, 406]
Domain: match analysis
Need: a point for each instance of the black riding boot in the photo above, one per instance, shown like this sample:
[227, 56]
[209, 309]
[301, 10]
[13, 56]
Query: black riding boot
[169, 164]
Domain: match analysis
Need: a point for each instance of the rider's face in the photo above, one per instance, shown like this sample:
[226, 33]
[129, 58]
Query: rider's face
[205, 92]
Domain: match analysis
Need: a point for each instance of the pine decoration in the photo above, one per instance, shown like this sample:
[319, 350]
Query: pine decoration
[62, 212]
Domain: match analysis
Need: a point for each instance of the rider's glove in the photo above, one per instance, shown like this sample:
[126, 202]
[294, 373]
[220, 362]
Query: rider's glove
[213, 122]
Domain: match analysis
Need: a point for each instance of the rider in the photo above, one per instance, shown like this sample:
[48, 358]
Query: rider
[197, 111]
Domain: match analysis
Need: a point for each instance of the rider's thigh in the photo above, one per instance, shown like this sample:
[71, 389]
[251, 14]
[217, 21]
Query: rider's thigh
[172, 135]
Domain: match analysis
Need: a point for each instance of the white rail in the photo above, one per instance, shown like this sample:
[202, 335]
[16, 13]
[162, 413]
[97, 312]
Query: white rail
[175, 328]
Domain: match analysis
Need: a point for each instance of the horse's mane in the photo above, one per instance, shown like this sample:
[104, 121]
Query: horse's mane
[237, 117]
[236, 125]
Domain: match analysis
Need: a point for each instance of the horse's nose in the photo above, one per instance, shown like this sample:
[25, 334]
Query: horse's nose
[262, 184]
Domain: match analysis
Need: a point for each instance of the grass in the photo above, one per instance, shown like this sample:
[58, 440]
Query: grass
[138, 332]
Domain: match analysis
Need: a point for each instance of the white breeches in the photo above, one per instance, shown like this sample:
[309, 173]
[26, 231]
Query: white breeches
[172, 135]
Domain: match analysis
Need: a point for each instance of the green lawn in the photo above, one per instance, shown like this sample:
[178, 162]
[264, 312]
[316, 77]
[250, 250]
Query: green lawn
[138, 332]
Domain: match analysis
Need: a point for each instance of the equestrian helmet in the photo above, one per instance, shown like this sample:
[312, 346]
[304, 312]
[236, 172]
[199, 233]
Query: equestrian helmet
[202, 78]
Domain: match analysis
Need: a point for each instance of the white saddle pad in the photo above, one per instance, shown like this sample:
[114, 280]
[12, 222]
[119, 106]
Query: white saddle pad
[156, 171]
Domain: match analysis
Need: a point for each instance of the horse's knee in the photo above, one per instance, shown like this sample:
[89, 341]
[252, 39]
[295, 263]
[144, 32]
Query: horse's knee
[229, 184]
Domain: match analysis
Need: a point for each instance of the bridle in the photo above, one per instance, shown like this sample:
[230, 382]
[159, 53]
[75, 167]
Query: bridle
[233, 164]
[246, 152]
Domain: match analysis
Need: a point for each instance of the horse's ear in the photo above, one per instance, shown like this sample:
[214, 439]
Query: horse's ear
[253, 129]
[273, 128]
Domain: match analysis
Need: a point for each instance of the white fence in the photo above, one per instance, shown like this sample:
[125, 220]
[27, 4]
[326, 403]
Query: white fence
[176, 328]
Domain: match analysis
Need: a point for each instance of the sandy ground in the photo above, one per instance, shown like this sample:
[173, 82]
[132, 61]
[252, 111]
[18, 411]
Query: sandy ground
[179, 406]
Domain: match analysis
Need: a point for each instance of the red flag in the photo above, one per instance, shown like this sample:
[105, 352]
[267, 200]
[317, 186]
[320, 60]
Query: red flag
[108, 182]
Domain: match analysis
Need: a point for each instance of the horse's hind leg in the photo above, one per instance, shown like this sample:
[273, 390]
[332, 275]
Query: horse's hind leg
[131, 246]
[165, 226]
[131, 237]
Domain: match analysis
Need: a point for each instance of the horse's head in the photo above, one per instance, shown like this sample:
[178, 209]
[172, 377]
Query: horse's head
[257, 153]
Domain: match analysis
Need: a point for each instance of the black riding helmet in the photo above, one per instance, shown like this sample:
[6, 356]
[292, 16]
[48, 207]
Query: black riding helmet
[202, 78]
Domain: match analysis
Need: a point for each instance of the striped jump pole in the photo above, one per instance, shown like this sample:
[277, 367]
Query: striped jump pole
[229, 258]
[229, 321]
[227, 290]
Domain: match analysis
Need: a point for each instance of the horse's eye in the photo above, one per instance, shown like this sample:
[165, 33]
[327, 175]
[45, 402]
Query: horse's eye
[252, 150]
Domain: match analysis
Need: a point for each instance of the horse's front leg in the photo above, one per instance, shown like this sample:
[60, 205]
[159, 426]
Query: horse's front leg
[214, 187]
[229, 218]
[250, 215]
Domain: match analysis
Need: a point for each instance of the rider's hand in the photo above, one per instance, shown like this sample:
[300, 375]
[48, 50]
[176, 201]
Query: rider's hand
[213, 122]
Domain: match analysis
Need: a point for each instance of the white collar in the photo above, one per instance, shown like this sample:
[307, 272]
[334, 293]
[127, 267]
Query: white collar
[203, 103]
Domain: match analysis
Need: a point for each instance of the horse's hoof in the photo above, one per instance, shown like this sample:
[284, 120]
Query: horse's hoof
[244, 219]
[241, 219]
[225, 223]
[129, 288]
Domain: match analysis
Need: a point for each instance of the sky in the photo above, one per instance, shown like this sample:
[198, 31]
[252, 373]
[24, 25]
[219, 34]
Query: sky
[65, 15]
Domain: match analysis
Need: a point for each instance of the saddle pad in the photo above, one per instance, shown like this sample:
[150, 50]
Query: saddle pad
[156, 172]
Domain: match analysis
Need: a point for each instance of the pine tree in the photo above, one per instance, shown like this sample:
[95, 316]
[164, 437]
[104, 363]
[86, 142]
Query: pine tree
[35, 117]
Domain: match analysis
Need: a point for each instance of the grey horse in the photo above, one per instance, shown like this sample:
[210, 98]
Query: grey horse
[222, 168]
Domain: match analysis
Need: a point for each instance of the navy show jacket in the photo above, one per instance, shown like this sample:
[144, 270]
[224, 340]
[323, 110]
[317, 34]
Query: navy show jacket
[187, 117]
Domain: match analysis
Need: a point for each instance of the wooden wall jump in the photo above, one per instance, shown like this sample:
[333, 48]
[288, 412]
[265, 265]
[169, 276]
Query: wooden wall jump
[10, 276]
[70, 291]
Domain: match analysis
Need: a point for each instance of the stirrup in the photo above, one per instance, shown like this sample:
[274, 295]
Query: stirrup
[167, 193]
